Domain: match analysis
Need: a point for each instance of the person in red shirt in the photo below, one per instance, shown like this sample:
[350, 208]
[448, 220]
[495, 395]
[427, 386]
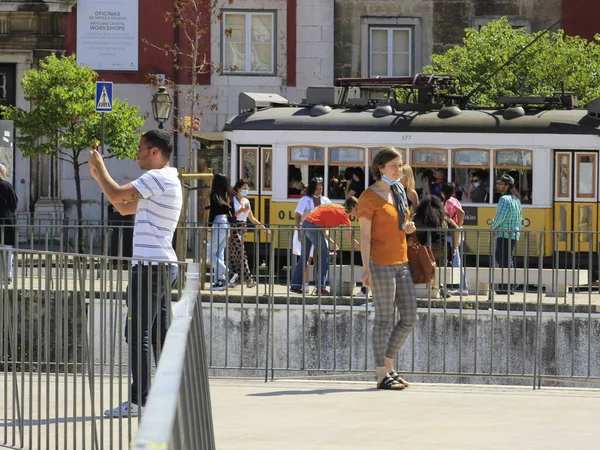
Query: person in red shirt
[315, 228]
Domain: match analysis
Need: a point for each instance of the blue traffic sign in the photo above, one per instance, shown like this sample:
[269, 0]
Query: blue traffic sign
[104, 97]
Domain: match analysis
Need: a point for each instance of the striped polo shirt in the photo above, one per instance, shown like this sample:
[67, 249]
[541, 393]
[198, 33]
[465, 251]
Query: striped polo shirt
[157, 215]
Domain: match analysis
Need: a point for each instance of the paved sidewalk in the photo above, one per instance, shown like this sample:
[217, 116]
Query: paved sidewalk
[305, 415]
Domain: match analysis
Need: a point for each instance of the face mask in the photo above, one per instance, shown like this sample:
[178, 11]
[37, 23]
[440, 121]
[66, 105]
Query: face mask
[385, 179]
[244, 192]
[476, 184]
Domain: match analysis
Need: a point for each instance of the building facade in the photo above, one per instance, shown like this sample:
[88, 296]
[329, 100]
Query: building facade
[397, 38]
[270, 46]
[274, 46]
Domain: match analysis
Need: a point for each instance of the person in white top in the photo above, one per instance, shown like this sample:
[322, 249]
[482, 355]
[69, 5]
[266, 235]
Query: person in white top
[156, 199]
[238, 259]
[314, 197]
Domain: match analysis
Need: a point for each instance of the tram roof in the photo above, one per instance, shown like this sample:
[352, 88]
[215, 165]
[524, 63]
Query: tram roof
[293, 118]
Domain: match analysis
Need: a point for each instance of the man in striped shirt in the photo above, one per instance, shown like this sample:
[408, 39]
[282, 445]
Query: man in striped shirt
[156, 199]
[507, 224]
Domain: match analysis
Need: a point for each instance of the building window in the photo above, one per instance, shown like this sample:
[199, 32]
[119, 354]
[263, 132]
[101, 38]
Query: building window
[248, 42]
[390, 52]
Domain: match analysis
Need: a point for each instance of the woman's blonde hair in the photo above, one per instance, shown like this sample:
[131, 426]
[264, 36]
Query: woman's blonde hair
[410, 176]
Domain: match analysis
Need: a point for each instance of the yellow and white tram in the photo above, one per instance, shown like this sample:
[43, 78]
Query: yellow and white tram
[551, 153]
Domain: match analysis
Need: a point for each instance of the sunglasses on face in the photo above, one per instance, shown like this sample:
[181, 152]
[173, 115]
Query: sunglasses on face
[474, 180]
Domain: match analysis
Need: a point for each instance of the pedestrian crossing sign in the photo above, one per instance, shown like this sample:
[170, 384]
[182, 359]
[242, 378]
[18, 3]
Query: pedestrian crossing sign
[104, 97]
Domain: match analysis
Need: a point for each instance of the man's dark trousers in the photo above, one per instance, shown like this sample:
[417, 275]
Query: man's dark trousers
[147, 290]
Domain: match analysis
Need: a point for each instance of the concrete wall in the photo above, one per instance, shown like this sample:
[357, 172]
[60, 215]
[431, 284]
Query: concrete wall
[438, 24]
[441, 343]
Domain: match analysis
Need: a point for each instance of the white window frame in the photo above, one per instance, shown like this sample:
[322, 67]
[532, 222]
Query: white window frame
[390, 50]
[412, 23]
[248, 41]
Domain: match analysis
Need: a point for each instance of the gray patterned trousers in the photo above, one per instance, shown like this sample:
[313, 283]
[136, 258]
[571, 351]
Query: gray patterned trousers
[392, 285]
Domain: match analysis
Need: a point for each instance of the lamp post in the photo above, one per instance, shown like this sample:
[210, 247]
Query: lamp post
[161, 106]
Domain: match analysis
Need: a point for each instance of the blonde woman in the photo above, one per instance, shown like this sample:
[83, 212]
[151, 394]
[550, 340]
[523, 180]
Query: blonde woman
[408, 181]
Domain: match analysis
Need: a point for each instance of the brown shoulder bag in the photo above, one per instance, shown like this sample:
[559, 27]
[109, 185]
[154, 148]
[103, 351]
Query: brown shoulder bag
[421, 262]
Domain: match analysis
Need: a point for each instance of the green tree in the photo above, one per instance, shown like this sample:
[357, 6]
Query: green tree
[62, 121]
[542, 68]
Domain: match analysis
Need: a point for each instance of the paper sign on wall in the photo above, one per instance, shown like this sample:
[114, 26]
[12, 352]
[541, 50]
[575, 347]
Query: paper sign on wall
[107, 34]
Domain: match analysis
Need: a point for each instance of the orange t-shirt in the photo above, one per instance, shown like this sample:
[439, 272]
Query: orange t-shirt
[388, 241]
[329, 216]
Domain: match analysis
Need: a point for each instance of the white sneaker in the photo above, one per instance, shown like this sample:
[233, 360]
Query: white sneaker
[458, 292]
[251, 284]
[306, 288]
[124, 410]
[368, 305]
[361, 294]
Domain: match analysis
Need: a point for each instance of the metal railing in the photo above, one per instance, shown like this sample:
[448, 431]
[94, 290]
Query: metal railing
[64, 356]
[178, 413]
[534, 322]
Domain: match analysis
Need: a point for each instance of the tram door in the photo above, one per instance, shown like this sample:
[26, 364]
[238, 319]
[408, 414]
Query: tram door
[575, 200]
[256, 166]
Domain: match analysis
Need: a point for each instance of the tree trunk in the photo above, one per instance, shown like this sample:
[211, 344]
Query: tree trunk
[79, 231]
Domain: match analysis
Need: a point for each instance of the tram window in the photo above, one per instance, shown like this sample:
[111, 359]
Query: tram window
[586, 176]
[471, 175]
[472, 184]
[430, 168]
[429, 157]
[337, 183]
[267, 172]
[562, 223]
[429, 181]
[585, 223]
[517, 164]
[342, 163]
[306, 155]
[305, 163]
[523, 183]
[375, 150]
[563, 180]
[249, 166]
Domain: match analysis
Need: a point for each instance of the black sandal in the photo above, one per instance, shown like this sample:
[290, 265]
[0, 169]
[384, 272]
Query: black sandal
[388, 383]
[399, 379]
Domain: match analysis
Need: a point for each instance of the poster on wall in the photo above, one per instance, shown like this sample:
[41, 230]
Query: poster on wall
[107, 34]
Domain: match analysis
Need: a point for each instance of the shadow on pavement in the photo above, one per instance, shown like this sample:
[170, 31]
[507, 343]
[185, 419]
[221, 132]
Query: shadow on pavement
[312, 392]
[34, 423]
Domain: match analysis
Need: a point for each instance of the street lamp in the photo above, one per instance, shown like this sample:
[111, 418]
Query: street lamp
[161, 106]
